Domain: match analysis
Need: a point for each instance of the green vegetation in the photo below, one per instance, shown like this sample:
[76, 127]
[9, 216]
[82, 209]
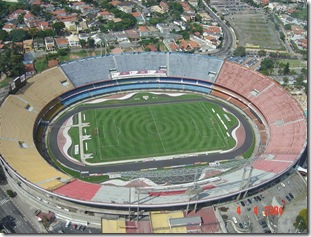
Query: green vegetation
[301, 222]
[10, 193]
[301, 14]
[255, 31]
[292, 62]
[266, 66]
[11, 60]
[239, 51]
[262, 53]
[156, 130]
[40, 64]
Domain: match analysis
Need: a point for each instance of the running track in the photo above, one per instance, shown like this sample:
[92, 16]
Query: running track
[52, 142]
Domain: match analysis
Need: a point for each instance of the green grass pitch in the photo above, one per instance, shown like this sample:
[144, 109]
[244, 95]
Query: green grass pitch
[125, 133]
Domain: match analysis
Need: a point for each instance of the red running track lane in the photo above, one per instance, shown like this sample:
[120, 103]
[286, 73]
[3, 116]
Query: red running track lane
[79, 190]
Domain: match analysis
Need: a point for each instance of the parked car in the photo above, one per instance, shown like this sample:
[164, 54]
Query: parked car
[264, 226]
[250, 202]
[74, 226]
[256, 199]
[288, 198]
[283, 185]
[262, 222]
[259, 198]
[291, 195]
[240, 225]
[267, 231]
[243, 204]
[82, 228]
[234, 220]
[67, 224]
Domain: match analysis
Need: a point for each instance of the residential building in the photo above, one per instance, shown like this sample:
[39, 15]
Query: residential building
[9, 27]
[143, 31]
[28, 45]
[61, 43]
[49, 43]
[163, 28]
[164, 6]
[126, 7]
[73, 41]
[139, 17]
[132, 35]
[105, 15]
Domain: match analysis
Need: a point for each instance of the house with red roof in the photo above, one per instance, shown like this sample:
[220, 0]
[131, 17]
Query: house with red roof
[61, 43]
[139, 17]
[151, 47]
[105, 15]
[9, 27]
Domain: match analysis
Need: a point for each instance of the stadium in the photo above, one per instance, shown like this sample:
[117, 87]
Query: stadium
[272, 127]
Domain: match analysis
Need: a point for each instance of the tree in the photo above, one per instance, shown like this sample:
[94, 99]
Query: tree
[286, 70]
[262, 53]
[10, 193]
[287, 27]
[20, 18]
[282, 36]
[239, 51]
[19, 35]
[266, 66]
[82, 43]
[11, 60]
[301, 222]
[91, 43]
[58, 27]
[3, 35]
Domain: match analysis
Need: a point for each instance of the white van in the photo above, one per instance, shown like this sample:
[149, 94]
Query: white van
[68, 224]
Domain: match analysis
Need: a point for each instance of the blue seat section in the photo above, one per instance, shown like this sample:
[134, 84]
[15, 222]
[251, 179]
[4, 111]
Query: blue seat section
[76, 91]
[104, 88]
[205, 83]
[105, 83]
[88, 70]
[140, 61]
[76, 98]
[197, 88]
[135, 80]
[171, 86]
[189, 81]
[126, 87]
[170, 79]
[194, 66]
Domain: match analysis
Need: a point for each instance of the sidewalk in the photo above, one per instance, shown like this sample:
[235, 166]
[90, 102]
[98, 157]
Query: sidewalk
[26, 209]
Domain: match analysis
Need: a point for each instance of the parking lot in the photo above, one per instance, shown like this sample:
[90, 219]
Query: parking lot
[62, 227]
[260, 213]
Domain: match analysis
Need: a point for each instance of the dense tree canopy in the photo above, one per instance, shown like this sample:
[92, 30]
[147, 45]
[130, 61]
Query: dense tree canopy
[239, 51]
[266, 66]
[11, 60]
[18, 35]
[301, 222]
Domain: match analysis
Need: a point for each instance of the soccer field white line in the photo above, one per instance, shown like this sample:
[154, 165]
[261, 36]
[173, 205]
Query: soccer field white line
[207, 112]
[157, 129]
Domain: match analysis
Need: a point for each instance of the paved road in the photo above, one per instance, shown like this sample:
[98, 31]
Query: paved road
[228, 38]
[52, 143]
[11, 217]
